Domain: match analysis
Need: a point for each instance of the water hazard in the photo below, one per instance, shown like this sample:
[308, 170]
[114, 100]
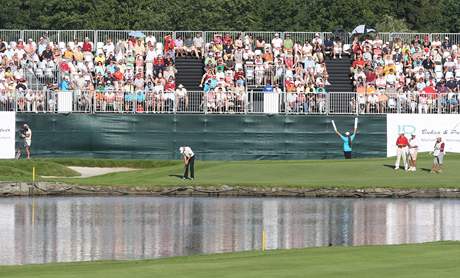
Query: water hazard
[63, 229]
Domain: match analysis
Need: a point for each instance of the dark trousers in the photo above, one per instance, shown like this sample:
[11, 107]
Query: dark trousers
[347, 155]
[191, 166]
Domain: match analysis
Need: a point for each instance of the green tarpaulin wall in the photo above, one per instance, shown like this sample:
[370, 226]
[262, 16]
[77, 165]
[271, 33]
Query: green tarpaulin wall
[212, 137]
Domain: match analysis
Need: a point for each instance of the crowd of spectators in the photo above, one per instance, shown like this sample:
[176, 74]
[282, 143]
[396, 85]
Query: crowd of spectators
[413, 76]
[418, 75]
[280, 65]
[115, 74]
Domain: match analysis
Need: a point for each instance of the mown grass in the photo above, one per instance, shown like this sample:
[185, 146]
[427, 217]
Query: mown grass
[358, 173]
[430, 260]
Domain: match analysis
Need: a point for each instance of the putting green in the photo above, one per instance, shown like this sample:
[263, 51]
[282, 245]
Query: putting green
[358, 173]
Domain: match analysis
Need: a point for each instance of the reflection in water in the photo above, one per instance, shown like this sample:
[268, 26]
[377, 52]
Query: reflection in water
[103, 228]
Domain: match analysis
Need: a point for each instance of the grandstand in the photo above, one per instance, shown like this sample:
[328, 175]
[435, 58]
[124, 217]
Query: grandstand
[228, 72]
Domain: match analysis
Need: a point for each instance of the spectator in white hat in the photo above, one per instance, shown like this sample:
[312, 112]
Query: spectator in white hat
[182, 98]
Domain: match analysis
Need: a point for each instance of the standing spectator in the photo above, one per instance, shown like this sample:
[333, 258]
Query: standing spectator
[26, 135]
[438, 153]
[277, 44]
[2, 46]
[181, 98]
[87, 45]
[413, 148]
[288, 44]
[401, 151]
[189, 161]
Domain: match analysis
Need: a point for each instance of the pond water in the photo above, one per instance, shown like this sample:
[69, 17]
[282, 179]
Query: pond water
[63, 229]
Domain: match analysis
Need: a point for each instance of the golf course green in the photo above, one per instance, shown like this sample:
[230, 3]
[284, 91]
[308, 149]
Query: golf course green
[356, 173]
[429, 260]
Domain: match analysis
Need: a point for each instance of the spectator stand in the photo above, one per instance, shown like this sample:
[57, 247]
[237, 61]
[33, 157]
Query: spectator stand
[413, 73]
[37, 71]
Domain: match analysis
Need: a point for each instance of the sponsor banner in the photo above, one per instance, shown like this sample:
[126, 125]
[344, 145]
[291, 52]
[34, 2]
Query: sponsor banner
[426, 127]
[7, 134]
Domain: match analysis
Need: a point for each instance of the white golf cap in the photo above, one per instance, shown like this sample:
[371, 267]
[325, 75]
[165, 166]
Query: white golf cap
[181, 149]
[347, 133]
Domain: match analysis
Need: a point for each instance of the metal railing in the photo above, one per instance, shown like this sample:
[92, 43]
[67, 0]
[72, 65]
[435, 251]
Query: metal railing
[219, 102]
[96, 36]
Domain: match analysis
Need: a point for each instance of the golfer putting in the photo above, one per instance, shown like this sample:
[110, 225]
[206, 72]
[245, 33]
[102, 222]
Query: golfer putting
[347, 139]
[189, 162]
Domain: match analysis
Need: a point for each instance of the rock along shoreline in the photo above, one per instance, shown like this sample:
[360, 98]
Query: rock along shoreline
[10, 189]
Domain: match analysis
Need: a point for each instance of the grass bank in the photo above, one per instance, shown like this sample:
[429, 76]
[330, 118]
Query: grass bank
[21, 170]
[440, 259]
[358, 173]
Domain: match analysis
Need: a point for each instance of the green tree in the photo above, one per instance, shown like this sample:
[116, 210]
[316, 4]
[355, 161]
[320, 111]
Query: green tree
[389, 24]
[268, 15]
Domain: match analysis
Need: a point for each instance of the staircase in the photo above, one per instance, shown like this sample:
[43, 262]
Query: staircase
[339, 74]
[189, 72]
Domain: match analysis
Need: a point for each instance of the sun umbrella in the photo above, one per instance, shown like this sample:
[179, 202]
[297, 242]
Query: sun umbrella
[362, 29]
[136, 34]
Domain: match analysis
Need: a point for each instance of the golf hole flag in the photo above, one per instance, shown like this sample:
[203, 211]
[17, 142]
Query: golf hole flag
[7, 134]
[426, 127]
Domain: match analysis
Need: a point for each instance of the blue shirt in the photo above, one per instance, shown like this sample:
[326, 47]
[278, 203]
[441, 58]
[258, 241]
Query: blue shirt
[64, 86]
[346, 146]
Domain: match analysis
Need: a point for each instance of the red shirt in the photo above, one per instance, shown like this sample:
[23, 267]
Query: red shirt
[169, 44]
[402, 141]
[159, 61]
[87, 47]
[359, 63]
[170, 86]
[239, 75]
[370, 77]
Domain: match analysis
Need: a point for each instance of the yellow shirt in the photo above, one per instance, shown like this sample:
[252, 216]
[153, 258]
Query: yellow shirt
[99, 59]
[68, 54]
[78, 56]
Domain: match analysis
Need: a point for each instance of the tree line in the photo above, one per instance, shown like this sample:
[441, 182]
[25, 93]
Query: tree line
[255, 15]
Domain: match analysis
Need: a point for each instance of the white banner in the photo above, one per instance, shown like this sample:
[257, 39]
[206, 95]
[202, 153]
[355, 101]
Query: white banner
[7, 134]
[271, 103]
[65, 102]
[426, 127]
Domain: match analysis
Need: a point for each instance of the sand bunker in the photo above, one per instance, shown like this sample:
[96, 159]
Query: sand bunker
[87, 172]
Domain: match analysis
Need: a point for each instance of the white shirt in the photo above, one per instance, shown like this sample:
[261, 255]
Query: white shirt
[437, 148]
[277, 42]
[188, 152]
[413, 143]
[28, 136]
